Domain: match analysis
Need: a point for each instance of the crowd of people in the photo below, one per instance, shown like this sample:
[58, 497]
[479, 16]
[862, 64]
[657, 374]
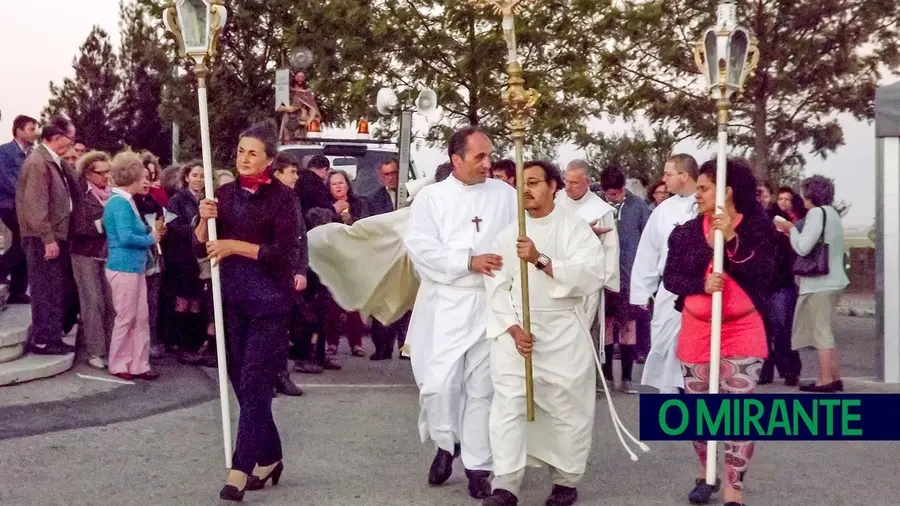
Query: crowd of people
[75, 258]
[122, 246]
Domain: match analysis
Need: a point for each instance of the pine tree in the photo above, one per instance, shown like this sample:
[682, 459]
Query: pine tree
[819, 58]
[89, 99]
[145, 69]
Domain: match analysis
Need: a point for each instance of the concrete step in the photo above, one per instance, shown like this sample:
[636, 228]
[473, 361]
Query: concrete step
[16, 368]
[14, 321]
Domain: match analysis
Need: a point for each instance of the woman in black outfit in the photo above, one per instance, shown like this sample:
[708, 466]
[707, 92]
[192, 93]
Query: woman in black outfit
[257, 250]
[182, 268]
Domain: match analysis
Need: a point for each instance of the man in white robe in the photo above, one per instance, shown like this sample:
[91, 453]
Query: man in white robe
[452, 227]
[662, 370]
[566, 266]
[602, 217]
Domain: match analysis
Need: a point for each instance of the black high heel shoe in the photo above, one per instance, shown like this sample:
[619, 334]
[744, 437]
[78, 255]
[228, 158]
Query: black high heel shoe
[256, 483]
[232, 493]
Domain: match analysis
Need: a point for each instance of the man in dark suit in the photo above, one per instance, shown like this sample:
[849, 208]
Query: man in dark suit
[12, 156]
[43, 207]
[384, 200]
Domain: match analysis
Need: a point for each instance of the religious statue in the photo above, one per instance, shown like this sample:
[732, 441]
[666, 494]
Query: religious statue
[301, 111]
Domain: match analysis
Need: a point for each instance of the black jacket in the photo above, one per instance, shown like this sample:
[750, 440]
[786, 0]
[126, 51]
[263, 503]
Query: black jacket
[379, 202]
[85, 239]
[749, 259]
[180, 232]
[784, 253]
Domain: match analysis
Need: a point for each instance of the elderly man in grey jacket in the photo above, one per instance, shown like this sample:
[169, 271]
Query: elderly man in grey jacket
[44, 206]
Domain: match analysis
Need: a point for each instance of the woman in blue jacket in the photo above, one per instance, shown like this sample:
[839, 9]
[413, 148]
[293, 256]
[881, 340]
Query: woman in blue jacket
[130, 241]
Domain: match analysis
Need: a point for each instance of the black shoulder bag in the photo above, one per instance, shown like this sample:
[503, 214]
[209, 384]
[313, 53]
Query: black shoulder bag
[815, 264]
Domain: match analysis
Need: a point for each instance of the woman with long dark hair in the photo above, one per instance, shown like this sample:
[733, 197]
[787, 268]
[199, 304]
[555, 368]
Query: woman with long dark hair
[257, 250]
[745, 285]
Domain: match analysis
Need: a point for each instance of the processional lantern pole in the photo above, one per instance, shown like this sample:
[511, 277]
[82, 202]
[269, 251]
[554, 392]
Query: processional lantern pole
[519, 101]
[196, 25]
[725, 55]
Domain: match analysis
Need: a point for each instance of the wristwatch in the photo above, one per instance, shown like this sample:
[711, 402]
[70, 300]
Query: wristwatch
[542, 262]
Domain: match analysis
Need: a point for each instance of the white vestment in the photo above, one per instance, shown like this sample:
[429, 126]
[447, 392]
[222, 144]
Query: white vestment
[449, 223]
[590, 208]
[562, 358]
[662, 370]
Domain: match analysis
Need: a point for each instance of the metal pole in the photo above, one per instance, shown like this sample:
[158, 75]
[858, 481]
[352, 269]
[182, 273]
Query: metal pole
[519, 101]
[176, 131]
[519, 137]
[403, 161]
[201, 70]
[715, 340]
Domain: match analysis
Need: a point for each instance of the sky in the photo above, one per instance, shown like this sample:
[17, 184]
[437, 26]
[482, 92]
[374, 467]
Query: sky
[31, 59]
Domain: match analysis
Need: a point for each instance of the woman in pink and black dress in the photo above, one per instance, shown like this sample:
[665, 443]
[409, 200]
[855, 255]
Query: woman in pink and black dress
[745, 286]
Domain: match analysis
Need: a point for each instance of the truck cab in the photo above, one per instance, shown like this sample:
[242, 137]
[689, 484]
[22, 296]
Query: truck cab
[361, 157]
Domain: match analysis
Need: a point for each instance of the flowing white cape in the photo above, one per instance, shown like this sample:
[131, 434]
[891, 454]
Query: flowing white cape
[365, 265]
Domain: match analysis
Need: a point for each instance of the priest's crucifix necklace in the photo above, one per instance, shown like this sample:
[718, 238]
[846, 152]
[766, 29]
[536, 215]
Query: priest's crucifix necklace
[477, 221]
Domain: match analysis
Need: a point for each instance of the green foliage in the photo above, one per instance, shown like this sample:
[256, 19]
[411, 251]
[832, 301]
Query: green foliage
[461, 53]
[145, 69]
[636, 154]
[89, 99]
[819, 58]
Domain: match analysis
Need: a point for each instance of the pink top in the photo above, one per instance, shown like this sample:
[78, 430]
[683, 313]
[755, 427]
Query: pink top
[743, 332]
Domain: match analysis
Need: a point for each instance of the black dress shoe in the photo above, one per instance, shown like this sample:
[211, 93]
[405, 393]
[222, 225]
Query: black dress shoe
[479, 483]
[562, 496]
[822, 389]
[256, 483]
[791, 380]
[232, 493]
[284, 385]
[703, 491]
[54, 348]
[441, 468]
[501, 497]
[734, 503]
[380, 356]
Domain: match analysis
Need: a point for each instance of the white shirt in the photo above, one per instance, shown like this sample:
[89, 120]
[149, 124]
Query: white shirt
[130, 198]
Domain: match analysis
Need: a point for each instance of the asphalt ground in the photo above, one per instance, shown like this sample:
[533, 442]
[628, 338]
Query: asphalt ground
[352, 440]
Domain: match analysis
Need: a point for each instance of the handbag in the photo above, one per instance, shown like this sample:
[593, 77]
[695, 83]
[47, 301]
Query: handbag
[814, 264]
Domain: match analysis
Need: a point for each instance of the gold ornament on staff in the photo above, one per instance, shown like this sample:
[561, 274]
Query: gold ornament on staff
[519, 101]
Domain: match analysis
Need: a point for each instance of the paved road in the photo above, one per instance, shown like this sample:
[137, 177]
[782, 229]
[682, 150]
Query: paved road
[351, 440]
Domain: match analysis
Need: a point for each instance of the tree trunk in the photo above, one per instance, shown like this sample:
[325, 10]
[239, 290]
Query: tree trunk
[761, 140]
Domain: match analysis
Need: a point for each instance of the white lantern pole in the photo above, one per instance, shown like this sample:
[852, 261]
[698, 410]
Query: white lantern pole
[202, 52]
[722, 56]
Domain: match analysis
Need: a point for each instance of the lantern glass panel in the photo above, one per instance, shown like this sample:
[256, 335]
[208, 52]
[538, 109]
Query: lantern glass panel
[712, 57]
[737, 58]
[194, 17]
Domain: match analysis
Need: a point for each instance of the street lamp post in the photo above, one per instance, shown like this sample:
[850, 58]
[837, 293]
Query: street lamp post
[725, 55]
[196, 25]
[519, 101]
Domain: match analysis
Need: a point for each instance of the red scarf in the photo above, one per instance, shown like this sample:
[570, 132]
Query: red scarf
[253, 183]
